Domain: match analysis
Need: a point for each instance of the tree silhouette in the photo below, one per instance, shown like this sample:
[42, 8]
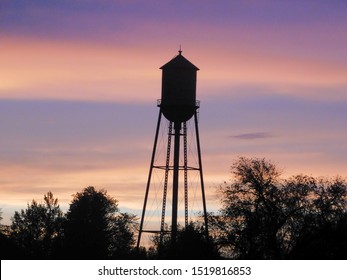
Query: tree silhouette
[264, 217]
[95, 229]
[122, 236]
[323, 232]
[37, 229]
[7, 247]
[190, 244]
[249, 220]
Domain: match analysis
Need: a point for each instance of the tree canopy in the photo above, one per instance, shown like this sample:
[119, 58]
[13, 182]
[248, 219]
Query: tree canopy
[95, 229]
[37, 229]
[264, 217]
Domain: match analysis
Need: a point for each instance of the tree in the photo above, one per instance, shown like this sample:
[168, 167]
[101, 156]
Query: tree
[95, 229]
[264, 217]
[37, 229]
[123, 227]
[324, 230]
[191, 244]
[249, 220]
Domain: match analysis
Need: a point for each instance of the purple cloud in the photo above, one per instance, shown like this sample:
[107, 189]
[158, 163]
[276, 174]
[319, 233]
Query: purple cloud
[253, 135]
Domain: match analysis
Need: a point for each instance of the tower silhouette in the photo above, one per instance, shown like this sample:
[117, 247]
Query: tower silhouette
[178, 105]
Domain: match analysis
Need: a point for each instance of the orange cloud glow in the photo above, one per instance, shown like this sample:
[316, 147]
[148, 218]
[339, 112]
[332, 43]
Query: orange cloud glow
[75, 71]
[86, 71]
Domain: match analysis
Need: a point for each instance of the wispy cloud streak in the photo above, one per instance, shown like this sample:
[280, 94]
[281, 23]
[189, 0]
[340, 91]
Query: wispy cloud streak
[253, 135]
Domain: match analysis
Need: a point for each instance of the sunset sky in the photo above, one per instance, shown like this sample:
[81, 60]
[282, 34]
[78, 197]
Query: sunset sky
[79, 80]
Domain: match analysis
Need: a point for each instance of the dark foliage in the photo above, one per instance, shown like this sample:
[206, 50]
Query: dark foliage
[323, 234]
[37, 230]
[9, 249]
[92, 229]
[95, 229]
[264, 217]
[191, 244]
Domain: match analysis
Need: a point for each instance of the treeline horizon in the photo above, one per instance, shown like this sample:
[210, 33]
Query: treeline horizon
[262, 216]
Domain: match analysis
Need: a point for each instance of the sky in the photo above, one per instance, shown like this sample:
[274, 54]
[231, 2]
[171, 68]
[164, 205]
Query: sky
[79, 82]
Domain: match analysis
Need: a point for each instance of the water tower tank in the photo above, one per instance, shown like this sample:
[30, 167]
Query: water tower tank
[178, 95]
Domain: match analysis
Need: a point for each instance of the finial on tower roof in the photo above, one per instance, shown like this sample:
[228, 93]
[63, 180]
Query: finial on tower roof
[180, 50]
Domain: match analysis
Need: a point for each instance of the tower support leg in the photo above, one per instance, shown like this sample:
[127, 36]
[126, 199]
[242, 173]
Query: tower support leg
[149, 179]
[185, 167]
[177, 126]
[201, 176]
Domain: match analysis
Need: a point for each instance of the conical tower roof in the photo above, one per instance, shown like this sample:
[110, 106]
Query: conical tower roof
[179, 61]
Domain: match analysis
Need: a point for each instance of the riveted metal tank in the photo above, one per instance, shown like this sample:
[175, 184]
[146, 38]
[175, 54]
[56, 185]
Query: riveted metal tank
[178, 95]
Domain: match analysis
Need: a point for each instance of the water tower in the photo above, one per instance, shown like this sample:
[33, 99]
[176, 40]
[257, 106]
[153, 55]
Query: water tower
[178, 105]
